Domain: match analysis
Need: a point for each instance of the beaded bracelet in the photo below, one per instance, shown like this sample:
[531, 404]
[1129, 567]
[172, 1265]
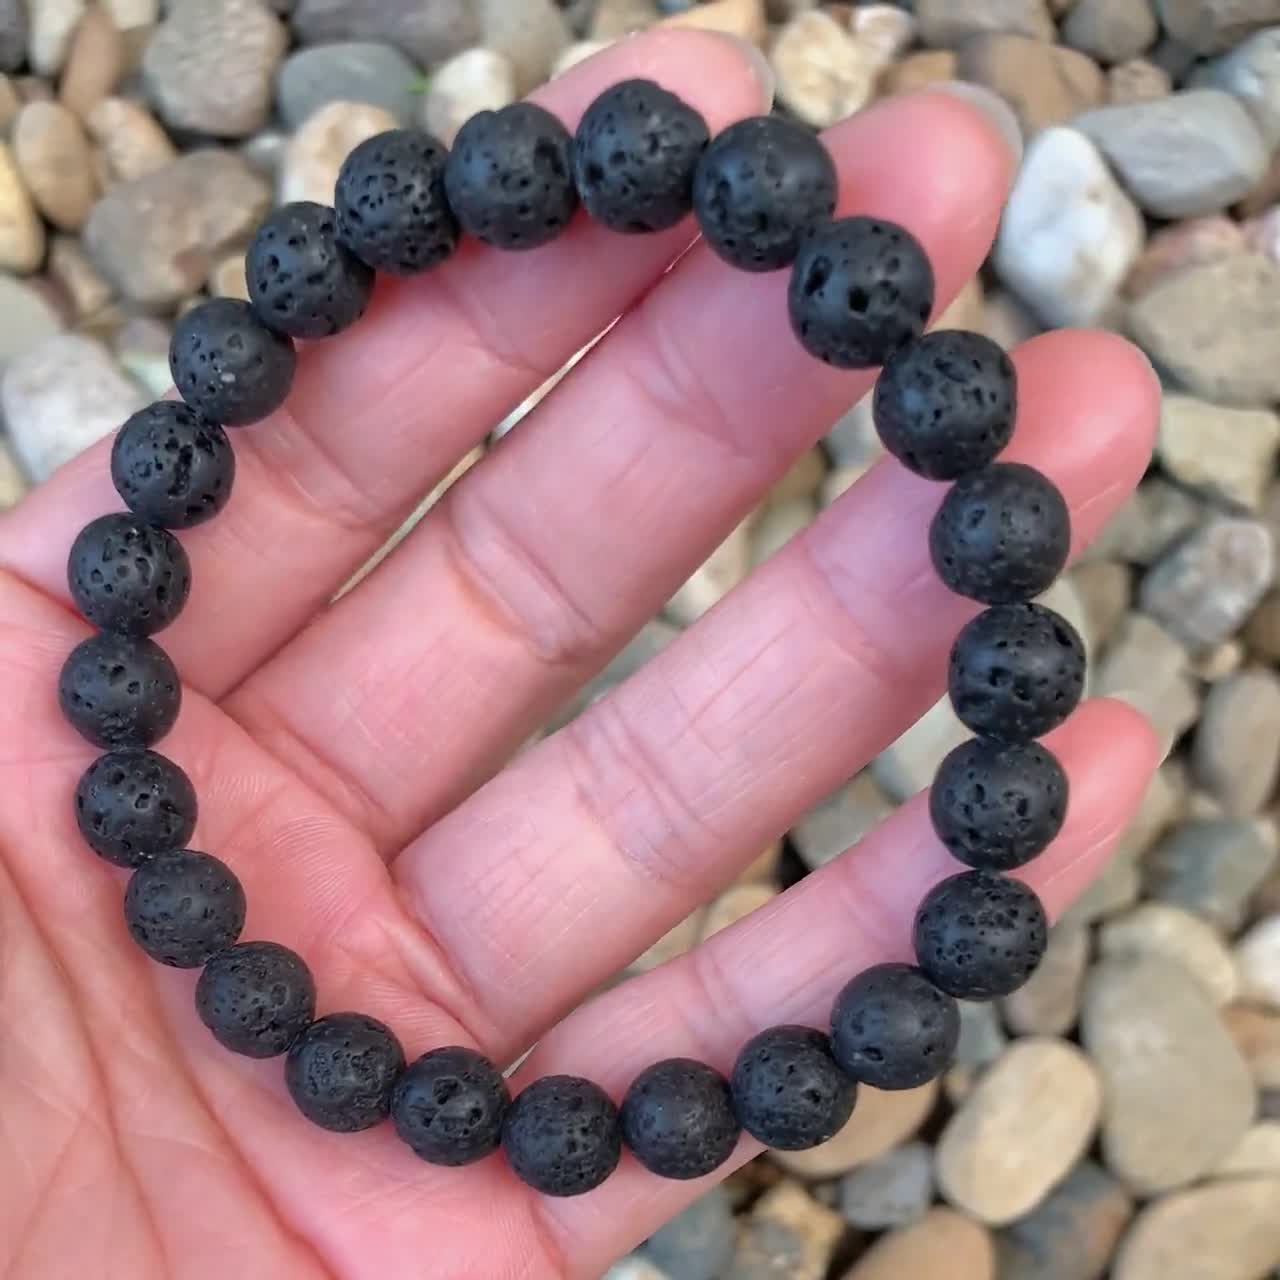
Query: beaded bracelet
[861, 292]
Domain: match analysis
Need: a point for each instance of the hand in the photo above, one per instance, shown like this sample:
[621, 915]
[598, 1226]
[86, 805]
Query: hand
[347, 758]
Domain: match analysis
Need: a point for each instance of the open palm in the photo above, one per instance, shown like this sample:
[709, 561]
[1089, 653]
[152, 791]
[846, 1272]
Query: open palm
[347, 756]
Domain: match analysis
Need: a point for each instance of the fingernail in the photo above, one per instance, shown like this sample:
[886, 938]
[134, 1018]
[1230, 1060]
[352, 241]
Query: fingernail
[760, 65]
[994, 107]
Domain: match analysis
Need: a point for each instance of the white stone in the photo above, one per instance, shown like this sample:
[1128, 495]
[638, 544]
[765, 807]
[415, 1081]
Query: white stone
[473, 81]
[886, 31]
[53, 22]
[315, 153]
[1258, 959]
[909, 764]
[1251, 73]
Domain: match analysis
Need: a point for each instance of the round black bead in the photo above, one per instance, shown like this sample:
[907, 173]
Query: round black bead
[760, 188]
[256, 998]
[1016, 672]
[861, 290]
[563, 1136]
[340, 1071]
[634, 157]
[126, 576]
[509, 177]
[678, 1119]
[449, 1106]
[301, 280]
[183, 907]
[979, 936]
[788, 1091]
[171, 466]
[1001, 535]
[228, 365]
[119, 691]
[946, 405]
[997, 805]
[131, 805]
[892, 1028]
[391, 204]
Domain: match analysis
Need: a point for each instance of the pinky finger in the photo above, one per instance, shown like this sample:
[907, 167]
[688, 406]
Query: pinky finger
[786, 963]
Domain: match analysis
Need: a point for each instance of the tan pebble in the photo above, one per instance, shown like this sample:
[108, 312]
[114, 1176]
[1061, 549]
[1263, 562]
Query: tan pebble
[309, 170]
[131, 139]
[473, 81]
[736, 904]
[10, 104]
[1184, 244]
[764, 869]
[1137, 81]
[943, 1244]
[674, 943]
[823, 74]
[577, 53]
[1169, 933]
[70, 266]
[788, 1234]
[802, 479]
[94, 64]
[227, 279]
[919, 70]
[13, 484]
[743, 18]
[777, 525]
[1257, 1152]
[841, 480]
[886, 31]
[614, 18]
[22, 238]
[33, 89]
[1256, 1033]
[56, 162]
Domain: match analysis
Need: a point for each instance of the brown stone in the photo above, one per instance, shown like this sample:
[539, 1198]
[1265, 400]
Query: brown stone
[943, 1243]
[1045, 84]
[918, 70]
[95, 62]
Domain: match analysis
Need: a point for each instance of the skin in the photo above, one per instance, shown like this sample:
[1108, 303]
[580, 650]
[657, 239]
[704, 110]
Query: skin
[357, 764]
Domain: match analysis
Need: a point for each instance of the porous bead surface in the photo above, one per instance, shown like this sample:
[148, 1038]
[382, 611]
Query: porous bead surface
[228, 365]
[893, 1029]
[301, 280]
[563, 1136]
[997, 805]
[788, 1091]
[119, 691]
[256, 998]
[340, 1071]
[945, 406]
[172, 467]
[183, 907]
[449, 1106]
[1016, 672]
[634, 157]
[1001, 535]
[132, 805]
[509, 177]
[678, 1119]
[861, 290]
[760, 188]
[126, 576]
[391, 205]
[979, 936]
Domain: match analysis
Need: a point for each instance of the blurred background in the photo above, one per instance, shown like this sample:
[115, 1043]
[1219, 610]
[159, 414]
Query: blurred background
[1121, 1115]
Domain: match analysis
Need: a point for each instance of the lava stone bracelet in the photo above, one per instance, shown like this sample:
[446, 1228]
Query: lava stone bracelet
[861, 292]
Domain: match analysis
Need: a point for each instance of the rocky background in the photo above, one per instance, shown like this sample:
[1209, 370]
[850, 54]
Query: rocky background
[1121, 1115]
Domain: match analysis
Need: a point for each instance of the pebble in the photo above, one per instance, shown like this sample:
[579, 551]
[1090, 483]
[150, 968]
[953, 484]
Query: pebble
[95, 63]
[802, 478]
[674, 943]
[428, 33]
[1072, 1234]
[128, 15]
[880, 1122]
[227, 279]
[840, 821]
[1226, 1230]
[613, 18]
[774, 527]
[130, 139]
[853, 440]
[698, 1243]
[714, 579]
[823, 73]
[314, 155]
[1147, 1020]
[951, 22]
[1044, 83]
[1150, 668]
[70, 268]
[358, 71]
[1210, 26]
[634, 1267]
[531, 35]
[1206, 586]
[26, 319]
[788, 1234]
[1219, 451]
[1212, 866]
[742, 18]
[1111, 30]
[62, 397]
[1069, 234]
[156, 239]
[1236, 754]
[909, 764]
[1174, 936]
[736, 904]
[942, 1243]
[55, 161]
[53, 23]
[919, 70]
[1258, 1152]
[1137, 80]
[1263, 630]
[1251, 73]
[22, 235]
[892, 1191]
[982, 1038]
[474, 81]
[1105, 589]
[1256, 1033]
[1049, 1003]
[13, 484]
[1257, 957]
[886, 31]
[14, 30]
[10, 103]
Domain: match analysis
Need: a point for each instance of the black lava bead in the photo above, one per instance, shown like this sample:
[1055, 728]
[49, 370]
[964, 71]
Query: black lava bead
[1001, 535]
[563, 1136]
[449, 1106]
[126, 576]
[119, 691]
[509, 177]
[979, 936]
[340, 1071]
[946, 405]
[788, 1091]
[131, 805]
[678, 1119]
[301, 280]
[1016, 672]
[861, 290]
[183, 907]
[391, 204]
[760, 188]
[892, 1028]
[228, 365]
[634, 157]
[171, 466]
[997, 805]
[256, 998]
